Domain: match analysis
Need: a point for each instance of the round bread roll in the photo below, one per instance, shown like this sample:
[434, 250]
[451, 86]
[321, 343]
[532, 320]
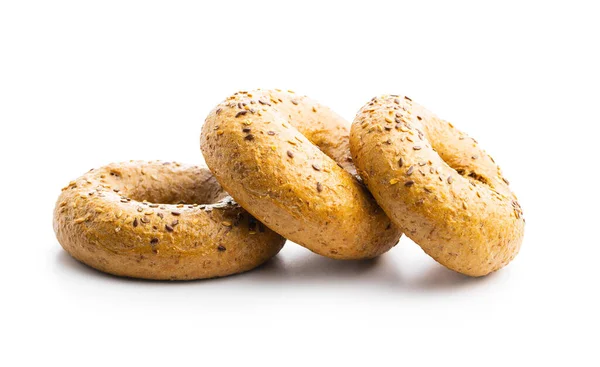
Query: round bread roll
[437, 185]
[157, 220]
[282, 158]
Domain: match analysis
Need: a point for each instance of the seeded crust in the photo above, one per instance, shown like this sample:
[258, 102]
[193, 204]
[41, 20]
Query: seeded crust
[281, 155]
[108, 220]
[437, 185]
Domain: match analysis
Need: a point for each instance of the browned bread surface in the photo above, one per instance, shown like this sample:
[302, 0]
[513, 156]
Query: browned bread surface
[436, 183]
[159, 220]
[286, 159]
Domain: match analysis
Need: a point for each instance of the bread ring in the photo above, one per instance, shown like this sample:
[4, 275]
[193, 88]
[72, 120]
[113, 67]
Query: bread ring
[437, 185]
[276, 153]
[125, 219]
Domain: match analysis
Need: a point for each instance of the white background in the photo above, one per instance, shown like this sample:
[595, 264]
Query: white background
[83, 84]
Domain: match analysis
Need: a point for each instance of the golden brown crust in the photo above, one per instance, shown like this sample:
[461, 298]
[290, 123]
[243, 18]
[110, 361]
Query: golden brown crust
[268, 149]
[437, 185]
[107, 219]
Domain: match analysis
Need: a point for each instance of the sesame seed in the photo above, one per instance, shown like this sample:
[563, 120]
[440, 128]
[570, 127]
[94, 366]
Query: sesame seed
[221, 248]
[416, 147]
[246, 129]
[409, 183]
[400, 162]
[241, 113]
[410, 170]
[290, 154]
[135, 222]
[168, 228]
[154, 241]
[175, 213]
[319, 187]
[316, 167]
[81, 220]
[449, 179]
[271, 133]
[249, 137]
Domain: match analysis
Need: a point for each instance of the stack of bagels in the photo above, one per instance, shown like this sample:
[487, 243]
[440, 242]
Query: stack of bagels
[282, 166]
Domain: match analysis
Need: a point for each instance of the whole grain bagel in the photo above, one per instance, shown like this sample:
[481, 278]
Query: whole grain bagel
[437, 185]
[280, 156]
[159, 220]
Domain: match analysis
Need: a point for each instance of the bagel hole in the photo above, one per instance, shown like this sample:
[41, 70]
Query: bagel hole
[477, 177]
[188, 190]
[472, 176]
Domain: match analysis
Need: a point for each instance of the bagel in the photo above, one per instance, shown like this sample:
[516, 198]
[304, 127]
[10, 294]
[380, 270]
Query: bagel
[437, 185]
[280, 156]
[159, 220]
